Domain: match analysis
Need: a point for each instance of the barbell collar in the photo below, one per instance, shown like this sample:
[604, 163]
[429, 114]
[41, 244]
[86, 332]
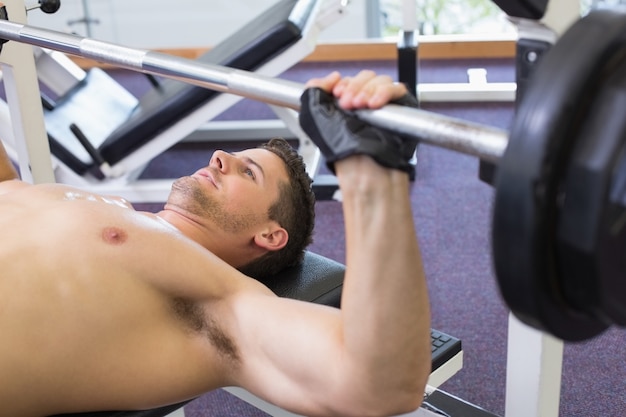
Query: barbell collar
[487, 143]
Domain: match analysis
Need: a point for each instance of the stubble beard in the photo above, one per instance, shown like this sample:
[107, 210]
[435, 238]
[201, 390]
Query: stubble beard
[188, 193]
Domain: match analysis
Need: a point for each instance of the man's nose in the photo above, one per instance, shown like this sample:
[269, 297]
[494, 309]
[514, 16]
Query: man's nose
[220, 160]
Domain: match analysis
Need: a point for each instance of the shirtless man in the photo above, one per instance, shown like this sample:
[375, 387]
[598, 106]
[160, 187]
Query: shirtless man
[103, 307]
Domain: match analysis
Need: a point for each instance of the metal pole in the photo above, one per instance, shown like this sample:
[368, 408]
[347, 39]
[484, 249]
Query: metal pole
[28, 131]
[487, 143]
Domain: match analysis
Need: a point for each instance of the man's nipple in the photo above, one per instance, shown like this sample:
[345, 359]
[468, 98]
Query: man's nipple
[114, 235]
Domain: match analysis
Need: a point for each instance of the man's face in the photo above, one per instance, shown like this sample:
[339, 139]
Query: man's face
[233, 193]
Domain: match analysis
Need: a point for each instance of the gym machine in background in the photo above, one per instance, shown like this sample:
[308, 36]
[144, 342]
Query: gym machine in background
[477, 89]
[538, 25]
[130, 131]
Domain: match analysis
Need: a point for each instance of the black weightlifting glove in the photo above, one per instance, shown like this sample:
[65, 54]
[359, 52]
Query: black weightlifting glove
[339, 133]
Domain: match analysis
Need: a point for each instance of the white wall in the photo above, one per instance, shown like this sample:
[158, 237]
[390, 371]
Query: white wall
[191, 23]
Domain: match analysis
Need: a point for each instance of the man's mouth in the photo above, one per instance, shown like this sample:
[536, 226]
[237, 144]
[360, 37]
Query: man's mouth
[206, 175]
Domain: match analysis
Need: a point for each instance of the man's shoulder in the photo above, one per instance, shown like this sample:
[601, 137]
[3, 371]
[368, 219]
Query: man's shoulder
[12, 185]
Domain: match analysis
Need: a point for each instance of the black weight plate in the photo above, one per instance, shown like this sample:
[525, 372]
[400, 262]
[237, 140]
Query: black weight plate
[531, 169]
[591, 228]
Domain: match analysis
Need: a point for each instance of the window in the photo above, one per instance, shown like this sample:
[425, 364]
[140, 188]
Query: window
[446, 17]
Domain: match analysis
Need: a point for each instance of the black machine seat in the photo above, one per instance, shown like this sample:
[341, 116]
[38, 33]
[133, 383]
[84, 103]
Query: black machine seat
[526, 9]
[250, 47]
[316, 279]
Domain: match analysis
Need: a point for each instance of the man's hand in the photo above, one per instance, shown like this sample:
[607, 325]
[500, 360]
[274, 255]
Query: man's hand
[325, 115]
[364, 90]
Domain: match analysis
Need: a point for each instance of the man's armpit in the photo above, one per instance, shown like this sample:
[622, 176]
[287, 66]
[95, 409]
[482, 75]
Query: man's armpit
[195, 318]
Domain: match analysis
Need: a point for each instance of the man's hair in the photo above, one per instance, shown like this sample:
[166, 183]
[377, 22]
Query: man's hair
[294, 210]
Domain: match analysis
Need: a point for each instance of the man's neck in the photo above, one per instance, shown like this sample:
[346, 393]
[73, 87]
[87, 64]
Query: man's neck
[224, 245]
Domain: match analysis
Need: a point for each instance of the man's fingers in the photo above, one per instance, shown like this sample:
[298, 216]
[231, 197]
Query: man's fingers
[326, 83]
[368, 90]
[352, 92]
[364, 90]
[386, 93]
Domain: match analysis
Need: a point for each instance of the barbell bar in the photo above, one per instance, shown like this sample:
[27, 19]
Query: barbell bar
[559, 216]
[485, 142]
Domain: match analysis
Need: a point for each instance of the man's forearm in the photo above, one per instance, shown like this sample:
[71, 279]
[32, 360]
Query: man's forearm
[385, 304]
[385, 325]
[7, 170]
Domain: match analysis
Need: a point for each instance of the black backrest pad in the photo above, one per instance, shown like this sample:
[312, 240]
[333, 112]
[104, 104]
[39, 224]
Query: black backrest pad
[156, 412]
[527, 9]
[248, 48]
[316, 279]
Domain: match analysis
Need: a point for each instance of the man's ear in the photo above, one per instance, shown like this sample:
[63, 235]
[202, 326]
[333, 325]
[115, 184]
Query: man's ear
[274, 238]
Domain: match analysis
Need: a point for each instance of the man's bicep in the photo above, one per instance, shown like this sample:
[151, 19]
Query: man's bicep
[291, 351]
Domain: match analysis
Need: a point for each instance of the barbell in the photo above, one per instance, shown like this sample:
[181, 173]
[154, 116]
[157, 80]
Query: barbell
[558, 232]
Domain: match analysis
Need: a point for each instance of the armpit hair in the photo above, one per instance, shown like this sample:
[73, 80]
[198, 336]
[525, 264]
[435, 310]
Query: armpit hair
[194, 318]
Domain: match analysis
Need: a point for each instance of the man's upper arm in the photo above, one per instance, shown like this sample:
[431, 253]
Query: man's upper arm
[291, 352]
